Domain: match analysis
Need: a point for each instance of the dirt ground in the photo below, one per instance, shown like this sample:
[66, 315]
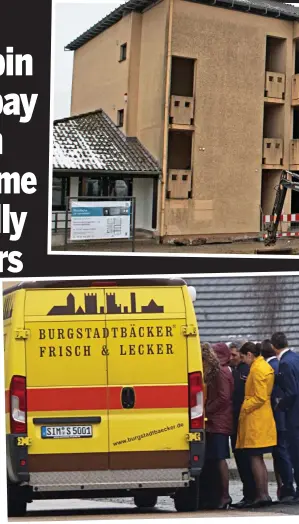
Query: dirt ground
[284, 246]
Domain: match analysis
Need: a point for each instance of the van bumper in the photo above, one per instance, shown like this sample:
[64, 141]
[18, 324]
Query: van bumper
[17, 460]
[109, 480]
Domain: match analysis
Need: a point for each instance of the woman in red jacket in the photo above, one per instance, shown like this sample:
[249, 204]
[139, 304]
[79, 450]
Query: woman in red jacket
[219, 426]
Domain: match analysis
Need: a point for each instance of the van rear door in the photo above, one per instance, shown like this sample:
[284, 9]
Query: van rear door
[147, 378]
[66, 369]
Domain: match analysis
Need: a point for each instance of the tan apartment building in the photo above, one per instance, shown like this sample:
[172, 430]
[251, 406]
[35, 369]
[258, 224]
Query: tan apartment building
[211, 89]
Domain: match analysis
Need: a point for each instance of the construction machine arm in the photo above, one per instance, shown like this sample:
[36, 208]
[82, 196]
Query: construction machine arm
[281, 191]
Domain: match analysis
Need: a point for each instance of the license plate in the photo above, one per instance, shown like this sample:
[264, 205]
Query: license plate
[66, 431]
[193, 436]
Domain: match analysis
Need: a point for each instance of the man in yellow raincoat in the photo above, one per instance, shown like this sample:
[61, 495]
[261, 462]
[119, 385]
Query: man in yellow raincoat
[257, 429]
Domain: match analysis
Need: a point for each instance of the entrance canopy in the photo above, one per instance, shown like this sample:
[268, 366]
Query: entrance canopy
[93, 158]
[92, 143]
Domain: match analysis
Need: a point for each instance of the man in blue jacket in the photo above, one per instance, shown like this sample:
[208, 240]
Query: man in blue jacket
[288, 380]
[281, 458]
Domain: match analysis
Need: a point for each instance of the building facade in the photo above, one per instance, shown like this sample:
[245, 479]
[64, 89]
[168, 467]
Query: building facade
[211, 89]
[247, 307]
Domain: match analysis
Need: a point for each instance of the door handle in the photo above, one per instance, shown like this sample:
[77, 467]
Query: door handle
[128, 398]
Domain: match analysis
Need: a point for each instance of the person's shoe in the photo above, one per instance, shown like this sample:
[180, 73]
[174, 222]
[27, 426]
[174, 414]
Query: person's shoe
[225, 505]
[261, 503]
[240, 504]
[287, 494]
[247, 504]
[286, 499]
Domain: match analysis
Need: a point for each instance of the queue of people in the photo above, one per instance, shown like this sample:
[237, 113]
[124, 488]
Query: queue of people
[252, 403]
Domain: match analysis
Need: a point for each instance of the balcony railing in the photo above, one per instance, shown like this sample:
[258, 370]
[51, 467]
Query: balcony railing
[179, 183]
[181, 110]
[294, 153]
[273, 152]
[275, 85]
[295, 90]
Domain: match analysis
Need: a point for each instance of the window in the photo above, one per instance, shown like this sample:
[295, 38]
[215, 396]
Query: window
[120, 118]
[180, 150]
[95, 187]
[182, 76]
[60, 192]
[123, 52]
[275, 54]
[104, 187]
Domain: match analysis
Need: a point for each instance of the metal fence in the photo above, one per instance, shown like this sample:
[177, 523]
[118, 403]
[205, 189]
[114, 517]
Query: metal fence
[58, 221]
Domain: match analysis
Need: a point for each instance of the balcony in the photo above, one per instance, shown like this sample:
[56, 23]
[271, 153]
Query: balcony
[295, 90]
[272, 153]
[275, 87]
[294, 155]
[179, 183]
[181, 112]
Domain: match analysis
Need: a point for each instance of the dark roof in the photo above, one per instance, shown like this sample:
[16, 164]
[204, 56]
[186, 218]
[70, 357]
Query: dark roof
[91, 141]
[270, 8]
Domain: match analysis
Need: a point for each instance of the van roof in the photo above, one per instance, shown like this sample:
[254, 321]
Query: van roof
[48, 284]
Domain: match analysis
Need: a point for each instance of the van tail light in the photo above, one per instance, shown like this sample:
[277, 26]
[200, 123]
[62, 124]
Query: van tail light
[18, 405]
[196, 400]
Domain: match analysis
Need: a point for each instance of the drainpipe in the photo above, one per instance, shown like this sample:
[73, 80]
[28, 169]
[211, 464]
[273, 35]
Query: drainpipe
[166, 120]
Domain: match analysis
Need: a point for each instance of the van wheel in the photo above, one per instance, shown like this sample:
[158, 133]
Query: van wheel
[16, 505]
[145, 501]
[187, 499]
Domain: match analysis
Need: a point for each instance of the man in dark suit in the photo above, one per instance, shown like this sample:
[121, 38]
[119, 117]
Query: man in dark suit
[240, 372]
[288, 380]
[281, 458]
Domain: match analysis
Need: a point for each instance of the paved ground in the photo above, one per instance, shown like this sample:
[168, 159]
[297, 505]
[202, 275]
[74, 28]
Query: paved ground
[148, 246]
[59, 510]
